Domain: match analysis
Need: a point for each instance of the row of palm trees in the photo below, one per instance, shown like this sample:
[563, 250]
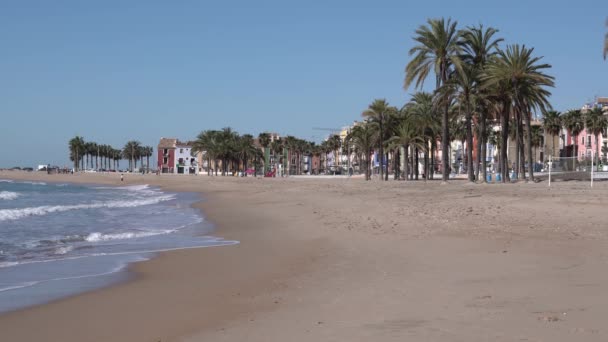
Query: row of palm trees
[477, 82]
[575, 121]
[92, 155]
[226, 151]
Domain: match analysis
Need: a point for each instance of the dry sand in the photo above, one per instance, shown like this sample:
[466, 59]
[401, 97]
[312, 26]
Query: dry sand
[348, 260]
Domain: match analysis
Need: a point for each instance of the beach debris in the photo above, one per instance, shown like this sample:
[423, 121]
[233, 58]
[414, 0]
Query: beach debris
[552, 318]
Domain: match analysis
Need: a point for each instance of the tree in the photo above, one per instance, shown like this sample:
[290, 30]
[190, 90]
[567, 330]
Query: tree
[596, 124]
[362, 137]
[378, 112]
[519, 82]
[131, 152]
[479, 45]
[264, 139]
[438, 50]
[206, 143]
[333, 144]
[276, 147]
[407, 135]
[552, 123]
[77, 149]
[246, 150]
[537, 139]
[574, 123]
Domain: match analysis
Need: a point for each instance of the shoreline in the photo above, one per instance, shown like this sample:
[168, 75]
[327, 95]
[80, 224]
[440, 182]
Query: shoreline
[121, 274]
[138, 274]
[351, 260]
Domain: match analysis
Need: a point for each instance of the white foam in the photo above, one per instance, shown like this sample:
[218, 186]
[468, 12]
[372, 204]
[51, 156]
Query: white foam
[33, 183]
[15, 214]
[8, 195]
[64, 250]
[18, 286]
[97, 237]
[6, 181]
[32, 283]
[216, 243]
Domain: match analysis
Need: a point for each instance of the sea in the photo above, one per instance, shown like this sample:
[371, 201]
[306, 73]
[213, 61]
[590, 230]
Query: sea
[58, 240]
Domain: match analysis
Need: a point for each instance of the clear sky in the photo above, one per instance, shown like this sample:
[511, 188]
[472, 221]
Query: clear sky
[112, 71]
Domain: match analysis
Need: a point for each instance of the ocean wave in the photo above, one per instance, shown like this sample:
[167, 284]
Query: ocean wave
[32, 283]
[15, 214]
[128, 187]
[32, 183]
[98, 237]
[64, 250]
[8, 195]
[214, 243]
[6, 181]
[18, 286]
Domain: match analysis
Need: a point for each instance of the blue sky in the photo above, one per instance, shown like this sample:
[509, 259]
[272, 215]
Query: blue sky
[112, 71]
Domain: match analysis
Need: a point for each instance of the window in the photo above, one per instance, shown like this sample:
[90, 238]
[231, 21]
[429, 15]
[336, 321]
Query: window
[165, 161]
[583, 140]
[181, 150]
[165, 151]
[588, 141]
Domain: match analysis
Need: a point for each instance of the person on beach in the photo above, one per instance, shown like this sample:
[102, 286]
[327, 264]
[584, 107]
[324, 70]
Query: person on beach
[121, 177]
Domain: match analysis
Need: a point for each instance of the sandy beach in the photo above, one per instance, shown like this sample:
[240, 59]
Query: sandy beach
[349, 260]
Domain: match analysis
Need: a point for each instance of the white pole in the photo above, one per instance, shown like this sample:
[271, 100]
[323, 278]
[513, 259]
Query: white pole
[592, 154]
[550, 164]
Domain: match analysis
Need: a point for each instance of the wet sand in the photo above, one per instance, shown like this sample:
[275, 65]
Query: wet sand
[348, 260]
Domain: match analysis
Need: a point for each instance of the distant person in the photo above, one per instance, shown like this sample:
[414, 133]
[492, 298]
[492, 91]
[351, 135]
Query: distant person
[121, 177]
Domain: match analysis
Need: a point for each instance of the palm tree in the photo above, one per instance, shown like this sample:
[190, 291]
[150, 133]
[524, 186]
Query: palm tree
[206, 143]
[574, 123]
[519, 81]
[596, 124]
[537, 139]
[246, 150]
[408, 134]
[333, 143]
[479, 46]
[264, 139]
[77, 149]
[131, 152]
[463, 86]
[552, 123]
[363, 138]
[438, 50]
[379, 112]
[277, 149]
[458, 131]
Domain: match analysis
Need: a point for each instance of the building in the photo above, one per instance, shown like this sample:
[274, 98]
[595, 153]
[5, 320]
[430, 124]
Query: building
[584, 145]
[176, 157]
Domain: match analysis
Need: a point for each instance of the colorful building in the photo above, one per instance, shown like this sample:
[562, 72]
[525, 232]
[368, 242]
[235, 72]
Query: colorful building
[176, 157]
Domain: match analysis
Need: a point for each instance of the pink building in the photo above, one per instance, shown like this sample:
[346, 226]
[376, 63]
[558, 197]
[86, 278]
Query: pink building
[586, 144]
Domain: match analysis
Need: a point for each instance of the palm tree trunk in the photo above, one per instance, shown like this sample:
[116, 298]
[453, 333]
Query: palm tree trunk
[505, 140]
[469, 129]
[483, 153]
[386, 173]
[529, 138]
[426, 164]
[433, 149]
[406, 171]
[552, 145]
[478, 156]
[445, 143]
[381, 149]
[416, 171]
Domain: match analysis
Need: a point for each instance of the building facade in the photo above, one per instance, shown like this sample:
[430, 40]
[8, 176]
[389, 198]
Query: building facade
[176, 157]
